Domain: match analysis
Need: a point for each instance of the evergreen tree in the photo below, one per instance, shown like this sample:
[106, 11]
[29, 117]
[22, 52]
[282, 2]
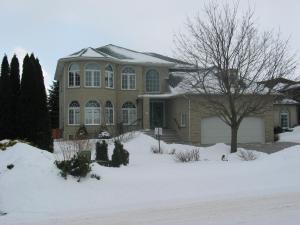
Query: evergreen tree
[5, 101]
[43, 137]
[53, 104]
[15, 91]
[101, 151]
[116, 158]
[26, 105]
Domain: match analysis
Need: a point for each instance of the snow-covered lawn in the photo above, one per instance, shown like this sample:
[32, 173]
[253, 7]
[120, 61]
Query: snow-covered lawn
[293, 136]
[152, 187]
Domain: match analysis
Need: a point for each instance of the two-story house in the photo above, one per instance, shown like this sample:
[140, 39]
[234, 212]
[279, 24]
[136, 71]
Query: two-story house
[111, 85]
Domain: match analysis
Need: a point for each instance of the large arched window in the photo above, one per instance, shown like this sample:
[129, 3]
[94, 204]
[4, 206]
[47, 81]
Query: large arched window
[74, 75]
[109, 77]
[128, 78]
[74, 113]
[109, 113]
[129, 115]
[92, 75]
[92, 113]
[152, 81]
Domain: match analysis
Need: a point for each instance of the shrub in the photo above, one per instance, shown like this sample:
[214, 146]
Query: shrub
[246, 155]
[276, 137]
[78, 166]
[101, 151]
[155, 150]
[278, 130]
[188, 156]
[120, 155]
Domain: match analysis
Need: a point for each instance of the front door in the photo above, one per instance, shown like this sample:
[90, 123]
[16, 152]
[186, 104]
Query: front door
[157, 114]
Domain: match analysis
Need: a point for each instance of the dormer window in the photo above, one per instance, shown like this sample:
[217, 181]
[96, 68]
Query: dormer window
[74, 75]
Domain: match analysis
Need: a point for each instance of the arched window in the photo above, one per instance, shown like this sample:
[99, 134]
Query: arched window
[92, 75]
[109, 77]
[129, 115]
[74, 113]
[109, 113]
[152, 81]
[92, 113]
[128, 78]
[74, 75]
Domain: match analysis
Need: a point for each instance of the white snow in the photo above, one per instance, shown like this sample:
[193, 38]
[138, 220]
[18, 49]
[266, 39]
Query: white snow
[293, 136]
[151, 186]
[286, 101]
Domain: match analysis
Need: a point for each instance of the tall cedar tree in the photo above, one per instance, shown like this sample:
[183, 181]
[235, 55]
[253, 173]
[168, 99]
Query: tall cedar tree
[5, 101]
[15, 91]
[53, 104]
[43, 127]
[32, 105]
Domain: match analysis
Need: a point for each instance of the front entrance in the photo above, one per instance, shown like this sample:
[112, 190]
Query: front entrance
[157, 114]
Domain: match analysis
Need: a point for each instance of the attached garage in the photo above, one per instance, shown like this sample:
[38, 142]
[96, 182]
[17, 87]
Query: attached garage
[214, 130]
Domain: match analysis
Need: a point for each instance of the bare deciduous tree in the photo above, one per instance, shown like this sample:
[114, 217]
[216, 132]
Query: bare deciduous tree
[232, 58]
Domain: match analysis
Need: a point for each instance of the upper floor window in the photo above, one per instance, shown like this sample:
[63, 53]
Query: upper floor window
[129, 114]
[74, 75]
[109, 113]
[109, 77]
[92, 75]
[152, 81]
[128, 79]
[92, 113]
[74, 113]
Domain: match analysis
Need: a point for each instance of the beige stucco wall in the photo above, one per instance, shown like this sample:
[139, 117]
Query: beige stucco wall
[292, 111]
[198, 111]
[117, 96]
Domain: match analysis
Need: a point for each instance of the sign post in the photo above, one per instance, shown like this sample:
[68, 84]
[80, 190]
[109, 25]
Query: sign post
[158, 134]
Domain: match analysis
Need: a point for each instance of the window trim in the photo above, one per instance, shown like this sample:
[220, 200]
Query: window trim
[74, 79]
[73, 108]
[85, 114]
[159, 87]
[128, 80]
[113, 76]
[93, 71]
[113, 114]
[288, 119]
[183, 123]
[128, 110]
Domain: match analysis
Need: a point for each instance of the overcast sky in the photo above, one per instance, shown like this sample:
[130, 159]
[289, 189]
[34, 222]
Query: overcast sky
[56, 28]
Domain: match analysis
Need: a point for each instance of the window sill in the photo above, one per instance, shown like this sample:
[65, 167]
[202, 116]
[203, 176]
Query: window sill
[71, 87]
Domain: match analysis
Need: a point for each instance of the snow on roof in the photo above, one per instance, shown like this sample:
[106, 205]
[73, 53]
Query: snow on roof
[286, 101]
[123, 55]
[293, 86]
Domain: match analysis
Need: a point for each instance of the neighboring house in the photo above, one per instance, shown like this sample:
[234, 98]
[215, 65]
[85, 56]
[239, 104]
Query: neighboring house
[286, 104]
[116, 88]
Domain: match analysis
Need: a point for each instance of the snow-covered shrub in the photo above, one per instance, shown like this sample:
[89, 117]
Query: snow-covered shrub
[125, 137]
[246, 155]
[78, 166]
[93, 175]
[101, 151]
[67, 149]
[7, 144]
[188, 156]
[155, 149]
[10, 166]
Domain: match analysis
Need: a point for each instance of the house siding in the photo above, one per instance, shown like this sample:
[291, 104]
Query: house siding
[292, 111]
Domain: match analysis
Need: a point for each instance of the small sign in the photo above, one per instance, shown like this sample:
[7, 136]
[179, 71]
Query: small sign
[158, 131]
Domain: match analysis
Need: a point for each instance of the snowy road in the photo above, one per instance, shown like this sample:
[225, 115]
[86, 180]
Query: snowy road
[268, 210]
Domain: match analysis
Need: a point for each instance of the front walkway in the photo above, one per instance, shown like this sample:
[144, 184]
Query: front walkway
[268, 147]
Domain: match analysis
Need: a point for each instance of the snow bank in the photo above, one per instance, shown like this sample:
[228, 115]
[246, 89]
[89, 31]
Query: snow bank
[293, 136]
[33, 189]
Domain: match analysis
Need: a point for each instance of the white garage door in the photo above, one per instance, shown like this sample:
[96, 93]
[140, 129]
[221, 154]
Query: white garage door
[214, 130]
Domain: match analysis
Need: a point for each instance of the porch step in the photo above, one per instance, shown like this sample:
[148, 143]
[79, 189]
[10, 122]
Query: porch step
[169, 136]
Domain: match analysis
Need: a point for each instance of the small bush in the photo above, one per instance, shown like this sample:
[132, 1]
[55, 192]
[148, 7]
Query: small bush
[246, 155]
[101, 151]
[276, 137]
[10, 166]
[188, 156]
[120, 155]
[278, 130]
[155, 150]
[78, 166]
